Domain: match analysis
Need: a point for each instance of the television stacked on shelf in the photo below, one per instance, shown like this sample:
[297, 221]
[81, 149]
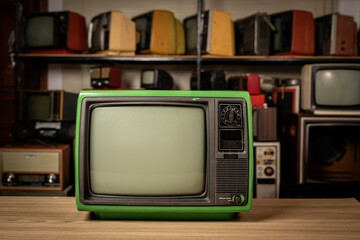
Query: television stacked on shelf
[324, 143]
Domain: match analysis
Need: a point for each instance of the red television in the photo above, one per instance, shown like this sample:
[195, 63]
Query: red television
[55, 32]
[294, 34]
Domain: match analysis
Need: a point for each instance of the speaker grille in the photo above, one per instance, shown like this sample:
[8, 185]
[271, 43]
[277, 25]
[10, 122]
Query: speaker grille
[232, 175]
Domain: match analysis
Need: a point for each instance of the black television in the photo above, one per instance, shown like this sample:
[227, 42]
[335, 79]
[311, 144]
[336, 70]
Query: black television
[54, 32]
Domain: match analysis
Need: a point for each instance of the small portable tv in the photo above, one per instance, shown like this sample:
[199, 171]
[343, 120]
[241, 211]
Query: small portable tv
[48, 105]
[217, 33]
[331, 88]
[294, 34]
[150, 154]
[156, 79]
[335, 35]
[253, 35]
[111, 33]
[106, 77]
[159, 32]
[55, 32]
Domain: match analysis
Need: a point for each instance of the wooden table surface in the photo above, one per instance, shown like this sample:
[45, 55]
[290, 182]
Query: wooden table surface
[58, 218]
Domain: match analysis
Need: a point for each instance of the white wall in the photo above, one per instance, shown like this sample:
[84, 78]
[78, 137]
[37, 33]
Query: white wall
[76, 77]
[351, 8]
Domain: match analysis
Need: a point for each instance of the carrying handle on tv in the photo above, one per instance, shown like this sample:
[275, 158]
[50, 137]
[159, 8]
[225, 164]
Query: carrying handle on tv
[267, 20]
[91, 25]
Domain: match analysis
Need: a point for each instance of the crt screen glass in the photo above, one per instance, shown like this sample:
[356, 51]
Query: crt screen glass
[147, 150]
[337, 87]
[148, 77]
[191, 33]
[38, 107]
[40, 31]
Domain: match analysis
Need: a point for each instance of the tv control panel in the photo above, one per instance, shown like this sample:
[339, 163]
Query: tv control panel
[232, 164]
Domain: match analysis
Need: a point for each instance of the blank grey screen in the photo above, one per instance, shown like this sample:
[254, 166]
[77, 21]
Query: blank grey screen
[40, 31]
[337, 87]
[147, 150]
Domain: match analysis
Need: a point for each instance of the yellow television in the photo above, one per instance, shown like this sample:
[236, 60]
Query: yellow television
[159, 32]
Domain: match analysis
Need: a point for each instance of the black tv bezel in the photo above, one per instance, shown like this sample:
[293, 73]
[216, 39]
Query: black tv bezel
[58, 44]
[104, 45]
[288, 48]
[149, 16]
[326, 121]
[87, 197]
[316, 106]
[204, 32]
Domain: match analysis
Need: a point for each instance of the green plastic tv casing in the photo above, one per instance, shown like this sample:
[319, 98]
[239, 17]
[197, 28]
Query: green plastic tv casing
[164, 212]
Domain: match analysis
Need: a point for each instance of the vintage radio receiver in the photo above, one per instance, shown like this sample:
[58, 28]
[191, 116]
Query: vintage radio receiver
[106, 77]
[335, 35]
[253, 34]
[267, 167]
[34, 167]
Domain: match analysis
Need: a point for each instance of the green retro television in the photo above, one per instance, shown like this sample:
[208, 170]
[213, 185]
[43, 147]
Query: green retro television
[156, 154]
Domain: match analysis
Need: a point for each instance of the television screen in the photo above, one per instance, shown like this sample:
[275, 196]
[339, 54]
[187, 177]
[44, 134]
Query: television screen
[164, 165]
[39, 32]
[100, 39]
[190, 27]
[38, 106]
[337, 87]
[150, 153]
[148, 77]
[282, 37]
[143, 26]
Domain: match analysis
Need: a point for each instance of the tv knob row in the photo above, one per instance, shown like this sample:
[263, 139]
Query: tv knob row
[10, 179]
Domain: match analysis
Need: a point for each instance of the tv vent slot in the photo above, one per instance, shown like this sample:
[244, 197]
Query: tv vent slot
[231, 175]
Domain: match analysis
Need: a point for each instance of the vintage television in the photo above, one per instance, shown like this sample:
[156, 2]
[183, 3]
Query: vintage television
[294, 34]
[54, 32]
[48, 105]
[159, 32]
[217, 33]
[323, 149]
[105, 77]
[111, 33]
[253, 35]
[156, 79]
[334, 35]
[331, 88]
[152, 154]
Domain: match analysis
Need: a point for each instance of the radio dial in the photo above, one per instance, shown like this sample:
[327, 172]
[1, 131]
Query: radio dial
[231, 115]
[10, 178]
[51, 178]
